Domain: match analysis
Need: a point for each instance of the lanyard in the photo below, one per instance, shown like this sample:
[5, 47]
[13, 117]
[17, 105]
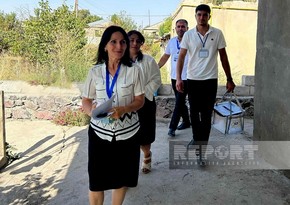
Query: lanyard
[109, 88]
[203, 43]
[177, 44]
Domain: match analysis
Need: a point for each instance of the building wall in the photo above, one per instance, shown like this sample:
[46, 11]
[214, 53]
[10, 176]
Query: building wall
[238, 21]
[94, 33]
[272, 94]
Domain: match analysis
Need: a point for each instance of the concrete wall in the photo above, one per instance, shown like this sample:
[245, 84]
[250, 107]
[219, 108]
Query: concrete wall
[238, 21]
[272, 94]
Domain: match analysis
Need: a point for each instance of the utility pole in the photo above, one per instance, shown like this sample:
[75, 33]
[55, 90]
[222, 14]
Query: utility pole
[76, 7]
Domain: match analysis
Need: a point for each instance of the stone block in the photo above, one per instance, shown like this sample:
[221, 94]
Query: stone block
[252, 90]
[221, 90]
[19, 103]
[31, 105]
[163, 112]
[242, 90]
[9, 104]
[239, 90]
[44, 115]
[248, 80]
[165, 89]
[8, 113]
[20, 113]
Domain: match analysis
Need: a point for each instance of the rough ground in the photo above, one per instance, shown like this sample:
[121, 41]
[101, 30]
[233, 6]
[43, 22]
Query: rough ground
[52, 170]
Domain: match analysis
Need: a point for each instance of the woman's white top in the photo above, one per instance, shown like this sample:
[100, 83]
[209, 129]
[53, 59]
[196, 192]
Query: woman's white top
[128, 85]
[151, 73]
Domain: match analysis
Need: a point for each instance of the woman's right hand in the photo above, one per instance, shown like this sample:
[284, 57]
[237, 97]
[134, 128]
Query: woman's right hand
[88, 106]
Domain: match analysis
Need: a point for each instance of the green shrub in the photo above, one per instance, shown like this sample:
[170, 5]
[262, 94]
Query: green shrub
[11, 155]
[71, 118]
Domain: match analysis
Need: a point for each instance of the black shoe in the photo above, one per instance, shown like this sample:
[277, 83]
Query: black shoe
[171, 133]
[183, 126]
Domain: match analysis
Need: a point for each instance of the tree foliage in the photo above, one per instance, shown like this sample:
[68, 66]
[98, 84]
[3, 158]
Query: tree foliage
[41, 32]
[87, 17]
[125, 21]
[53, 40]
[165, 27]
[9, 32]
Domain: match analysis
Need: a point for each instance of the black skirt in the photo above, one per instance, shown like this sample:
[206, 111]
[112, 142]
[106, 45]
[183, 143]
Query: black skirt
[147, 119]
[112, 165]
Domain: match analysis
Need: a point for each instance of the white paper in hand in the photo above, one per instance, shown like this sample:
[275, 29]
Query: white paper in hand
[102, 110]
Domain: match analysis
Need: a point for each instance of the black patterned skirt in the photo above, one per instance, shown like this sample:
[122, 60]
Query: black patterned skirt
[112, 165]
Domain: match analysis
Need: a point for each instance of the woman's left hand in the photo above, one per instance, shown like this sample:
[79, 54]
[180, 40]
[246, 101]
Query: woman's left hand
[117, 112]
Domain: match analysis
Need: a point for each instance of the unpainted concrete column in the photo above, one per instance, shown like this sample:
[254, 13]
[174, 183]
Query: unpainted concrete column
[272, 93]
[272, 73]
[3, 158]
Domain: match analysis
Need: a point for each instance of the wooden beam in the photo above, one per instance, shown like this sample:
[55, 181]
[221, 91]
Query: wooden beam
[3, 158]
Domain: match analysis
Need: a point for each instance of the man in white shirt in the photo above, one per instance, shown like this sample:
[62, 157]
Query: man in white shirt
[202, 44]
[173, 49]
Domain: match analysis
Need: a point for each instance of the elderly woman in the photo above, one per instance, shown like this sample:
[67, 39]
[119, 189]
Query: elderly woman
[152, 81]
[114, 149]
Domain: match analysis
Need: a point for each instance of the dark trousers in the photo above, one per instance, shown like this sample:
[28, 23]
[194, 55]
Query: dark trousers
[201, 97]
[180, 109]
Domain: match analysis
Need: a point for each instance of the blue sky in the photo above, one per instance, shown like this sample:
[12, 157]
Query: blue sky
[139, 10]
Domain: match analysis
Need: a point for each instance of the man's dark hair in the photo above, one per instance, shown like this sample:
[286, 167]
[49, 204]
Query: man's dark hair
[202, 7]
[182, 20]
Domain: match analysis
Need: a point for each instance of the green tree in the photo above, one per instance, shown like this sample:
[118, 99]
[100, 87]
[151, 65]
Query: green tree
[165, 27]
[123, 20]
[41, 31]
[9, 32]
[52, 40]
[52, 44]
[87, 17]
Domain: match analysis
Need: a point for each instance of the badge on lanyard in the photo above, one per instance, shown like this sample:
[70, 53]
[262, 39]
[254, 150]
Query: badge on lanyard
[203, 53]
[175, 57]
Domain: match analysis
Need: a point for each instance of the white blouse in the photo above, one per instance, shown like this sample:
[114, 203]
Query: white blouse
[128, 84]
[152, 77]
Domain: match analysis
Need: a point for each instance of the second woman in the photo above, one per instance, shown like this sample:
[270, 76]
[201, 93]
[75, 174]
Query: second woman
[152, 81]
